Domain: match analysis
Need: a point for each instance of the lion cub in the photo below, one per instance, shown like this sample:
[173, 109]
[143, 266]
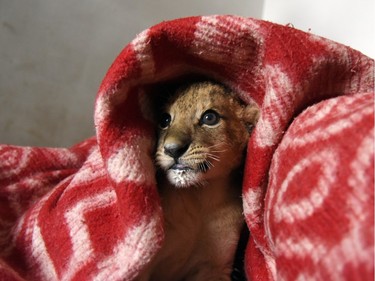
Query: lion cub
[202, 137]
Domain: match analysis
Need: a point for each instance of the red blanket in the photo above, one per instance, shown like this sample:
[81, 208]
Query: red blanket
[92, 212]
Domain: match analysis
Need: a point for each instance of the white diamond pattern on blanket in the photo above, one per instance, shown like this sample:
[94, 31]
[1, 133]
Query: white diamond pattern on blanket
[131, 253]
[79, 232]
[13, 161]
[40, 253]
[304, 247]
[358, 198]
[252, 204]
[333, 127]
[359, 177]
[214, 37]
[133, 162]
[347, 251]
[305, 207]
[90, 171]
[144, 53]
[278, 103]
[17, 189]
[103, 107]
[332, 119]
[38, 246]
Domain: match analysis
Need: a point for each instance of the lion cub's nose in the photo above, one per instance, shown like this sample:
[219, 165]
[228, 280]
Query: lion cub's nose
[175, 149]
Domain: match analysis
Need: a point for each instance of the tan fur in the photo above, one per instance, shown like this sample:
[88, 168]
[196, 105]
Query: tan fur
[202, 204]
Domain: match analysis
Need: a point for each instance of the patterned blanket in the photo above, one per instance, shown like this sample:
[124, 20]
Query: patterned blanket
[92, 211]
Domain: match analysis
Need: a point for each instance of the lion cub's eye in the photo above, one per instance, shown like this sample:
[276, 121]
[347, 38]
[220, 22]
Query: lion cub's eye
[165, 120]
[210, 118]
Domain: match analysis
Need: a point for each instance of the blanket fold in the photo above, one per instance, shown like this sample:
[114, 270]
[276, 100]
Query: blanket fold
[92, 211]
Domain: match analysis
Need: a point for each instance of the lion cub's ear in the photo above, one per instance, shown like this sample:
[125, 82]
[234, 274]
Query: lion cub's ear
[250, 115]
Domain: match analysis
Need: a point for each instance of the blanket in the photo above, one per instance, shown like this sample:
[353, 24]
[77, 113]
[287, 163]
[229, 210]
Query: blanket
[92, 211]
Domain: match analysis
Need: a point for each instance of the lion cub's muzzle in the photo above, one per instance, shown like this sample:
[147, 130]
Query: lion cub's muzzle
[176, 148]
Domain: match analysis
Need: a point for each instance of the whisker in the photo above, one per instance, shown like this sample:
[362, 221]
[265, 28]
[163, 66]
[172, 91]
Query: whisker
[213, 156]
[214, 145]
[209, 164]
[223, 149]
[201, 167]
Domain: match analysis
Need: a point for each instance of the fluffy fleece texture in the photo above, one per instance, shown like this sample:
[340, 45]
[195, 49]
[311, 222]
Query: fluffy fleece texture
[92, 212]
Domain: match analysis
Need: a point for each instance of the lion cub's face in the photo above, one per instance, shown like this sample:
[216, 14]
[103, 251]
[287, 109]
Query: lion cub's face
[203, 133]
